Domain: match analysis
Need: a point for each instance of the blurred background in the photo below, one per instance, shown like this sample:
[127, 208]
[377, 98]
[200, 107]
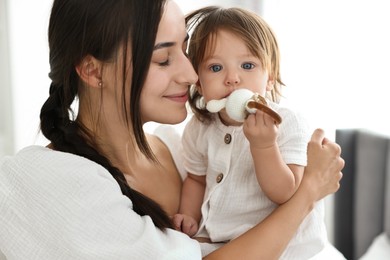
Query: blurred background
[335, 62]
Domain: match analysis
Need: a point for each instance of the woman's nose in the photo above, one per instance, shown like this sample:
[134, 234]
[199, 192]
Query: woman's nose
[188, 73]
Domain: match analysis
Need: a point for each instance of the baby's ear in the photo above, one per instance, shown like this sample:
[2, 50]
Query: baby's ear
[270, 84]
[89, 71]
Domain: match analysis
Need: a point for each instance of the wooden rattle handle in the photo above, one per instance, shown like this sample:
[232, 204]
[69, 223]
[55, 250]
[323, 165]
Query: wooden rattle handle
[266, 109]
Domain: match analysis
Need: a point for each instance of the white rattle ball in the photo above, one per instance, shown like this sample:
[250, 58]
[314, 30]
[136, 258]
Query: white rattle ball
[236, 104]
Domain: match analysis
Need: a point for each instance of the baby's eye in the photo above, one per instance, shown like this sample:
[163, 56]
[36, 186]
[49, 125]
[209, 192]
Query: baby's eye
[215, 68]
[247, 66]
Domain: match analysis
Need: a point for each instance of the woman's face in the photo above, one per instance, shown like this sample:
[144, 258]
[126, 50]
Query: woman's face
[164, 94]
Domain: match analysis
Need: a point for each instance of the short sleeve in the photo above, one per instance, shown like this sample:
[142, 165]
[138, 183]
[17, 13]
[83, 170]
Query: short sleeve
[294, 135]
[194, 148]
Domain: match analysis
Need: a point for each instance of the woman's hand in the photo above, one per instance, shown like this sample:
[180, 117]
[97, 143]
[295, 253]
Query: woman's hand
[324, 165]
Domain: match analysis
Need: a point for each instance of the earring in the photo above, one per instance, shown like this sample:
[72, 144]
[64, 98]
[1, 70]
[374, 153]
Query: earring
[200, 103]
[100, 84]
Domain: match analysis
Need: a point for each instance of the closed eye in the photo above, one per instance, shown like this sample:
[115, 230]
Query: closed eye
[164, 63]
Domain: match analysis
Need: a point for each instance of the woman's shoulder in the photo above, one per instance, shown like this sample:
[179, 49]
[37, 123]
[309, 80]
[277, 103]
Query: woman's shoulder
[29, 157]
[36, 167]
[44, 159]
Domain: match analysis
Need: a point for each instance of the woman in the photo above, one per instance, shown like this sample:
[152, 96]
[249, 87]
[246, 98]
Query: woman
[103, 189]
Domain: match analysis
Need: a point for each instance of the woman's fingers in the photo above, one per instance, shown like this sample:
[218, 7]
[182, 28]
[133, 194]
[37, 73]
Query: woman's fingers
[318, 136]
[324, 163]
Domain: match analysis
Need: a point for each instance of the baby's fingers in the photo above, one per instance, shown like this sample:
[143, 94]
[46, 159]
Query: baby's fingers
[189, 226]
[177, 220]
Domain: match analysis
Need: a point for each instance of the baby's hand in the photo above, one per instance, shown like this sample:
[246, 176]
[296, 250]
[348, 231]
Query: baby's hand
[261, 130]
[185, 224]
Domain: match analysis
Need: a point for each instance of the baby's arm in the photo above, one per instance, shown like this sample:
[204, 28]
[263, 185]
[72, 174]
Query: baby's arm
[278, 180]
[190, 205]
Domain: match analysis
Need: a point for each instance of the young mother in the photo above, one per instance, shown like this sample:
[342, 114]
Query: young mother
[103, 189]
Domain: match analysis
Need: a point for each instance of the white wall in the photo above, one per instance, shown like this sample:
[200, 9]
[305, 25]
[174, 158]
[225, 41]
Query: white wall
[6, 118]
[335, 59]
[29, 66]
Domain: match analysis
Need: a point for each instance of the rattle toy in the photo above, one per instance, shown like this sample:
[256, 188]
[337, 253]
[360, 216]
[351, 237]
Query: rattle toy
[240, 103]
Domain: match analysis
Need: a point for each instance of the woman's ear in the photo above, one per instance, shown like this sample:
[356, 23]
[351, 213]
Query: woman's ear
[90, 71]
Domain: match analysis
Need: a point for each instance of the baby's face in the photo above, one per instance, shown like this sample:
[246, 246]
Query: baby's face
[229, 65]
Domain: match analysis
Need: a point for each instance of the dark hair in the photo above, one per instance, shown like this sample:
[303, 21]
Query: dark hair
[99, 28]
[248, 26]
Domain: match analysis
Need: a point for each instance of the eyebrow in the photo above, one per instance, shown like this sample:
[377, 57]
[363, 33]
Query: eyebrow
[168, 44]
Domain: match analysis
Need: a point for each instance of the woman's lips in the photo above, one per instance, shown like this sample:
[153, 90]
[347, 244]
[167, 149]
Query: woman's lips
[181, 97]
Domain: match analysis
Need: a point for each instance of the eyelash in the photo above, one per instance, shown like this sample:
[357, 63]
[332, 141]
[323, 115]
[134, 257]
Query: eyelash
[164, 63]
[168, 62]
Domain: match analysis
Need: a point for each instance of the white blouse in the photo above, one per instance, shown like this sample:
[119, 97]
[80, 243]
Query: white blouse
[56, 205]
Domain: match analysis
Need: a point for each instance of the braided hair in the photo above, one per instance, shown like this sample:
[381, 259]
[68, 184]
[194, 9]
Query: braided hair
[99, 28]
